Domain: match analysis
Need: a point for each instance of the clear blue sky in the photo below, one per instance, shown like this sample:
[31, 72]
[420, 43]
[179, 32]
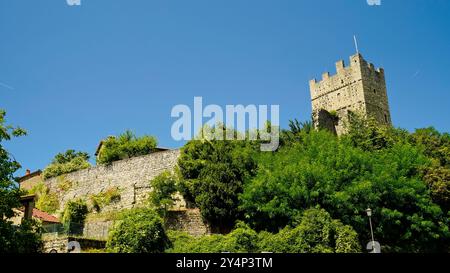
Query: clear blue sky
[74, 75]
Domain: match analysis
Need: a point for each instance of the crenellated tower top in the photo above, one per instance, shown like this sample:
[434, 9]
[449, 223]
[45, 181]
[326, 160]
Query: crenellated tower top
[358, 87]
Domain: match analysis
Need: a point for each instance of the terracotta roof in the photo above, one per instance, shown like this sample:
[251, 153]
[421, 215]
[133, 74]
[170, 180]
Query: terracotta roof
[43, 216]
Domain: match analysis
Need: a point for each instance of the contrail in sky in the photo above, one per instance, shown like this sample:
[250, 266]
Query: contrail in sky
[6, 86]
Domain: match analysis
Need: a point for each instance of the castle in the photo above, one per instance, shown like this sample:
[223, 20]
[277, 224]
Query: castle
[357, 88]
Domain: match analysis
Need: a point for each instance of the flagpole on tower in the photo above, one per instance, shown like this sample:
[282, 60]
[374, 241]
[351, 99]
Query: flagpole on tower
[356, 44]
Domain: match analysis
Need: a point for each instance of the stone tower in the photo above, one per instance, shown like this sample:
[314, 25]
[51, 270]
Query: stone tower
[358, 88]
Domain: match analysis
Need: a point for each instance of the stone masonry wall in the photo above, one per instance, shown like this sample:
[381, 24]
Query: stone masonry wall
[131, 177]
[189, 220]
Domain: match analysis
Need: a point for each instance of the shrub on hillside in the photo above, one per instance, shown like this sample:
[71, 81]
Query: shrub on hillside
[213, 173]
[67, 162]
[73, 216]
[138, 231]
[125, 146]
[316, 232]
[164, 187]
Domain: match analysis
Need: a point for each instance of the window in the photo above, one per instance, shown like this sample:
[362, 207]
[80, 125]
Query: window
[374, 91]
[386, 118]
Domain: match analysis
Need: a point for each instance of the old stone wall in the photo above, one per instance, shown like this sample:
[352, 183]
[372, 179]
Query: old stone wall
[59, 244]
[130, 177]
[55, 244]
[97, 229]
[188, 220]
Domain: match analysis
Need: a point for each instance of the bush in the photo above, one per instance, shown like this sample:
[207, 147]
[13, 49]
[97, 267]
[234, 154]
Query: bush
[241, 240]
[316, 232]
[213, 173]
[46, 201]
[67, 162]
[102, 199]
[138, 231]
[74, 215]
[26, 238]
[164, 186]
[125, 146]
[63, 183]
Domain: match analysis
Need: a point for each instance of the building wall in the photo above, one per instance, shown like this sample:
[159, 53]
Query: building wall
[29, 183]
[358, 87]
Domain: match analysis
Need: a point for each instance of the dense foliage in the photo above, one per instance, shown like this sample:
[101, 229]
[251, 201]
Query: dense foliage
[213, 174]
[402, 176]
[314, 232]
[25, 237]
[73, 216]
[164, 187]
[66, 162]
[138, 231]
[46, 201]
[373, 166]
[124, 146]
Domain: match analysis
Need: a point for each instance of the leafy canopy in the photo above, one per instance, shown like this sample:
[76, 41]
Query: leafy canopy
[164, 187]
[314, 232]
[25, 237]
[66, 162]
[370, 167]
[138, 231]
[213, 174]
[46, 201]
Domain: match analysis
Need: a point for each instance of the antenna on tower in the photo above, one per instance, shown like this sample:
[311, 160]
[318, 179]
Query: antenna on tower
[356, 44]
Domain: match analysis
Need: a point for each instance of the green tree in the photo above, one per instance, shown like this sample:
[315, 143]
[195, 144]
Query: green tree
[25, 237]
[345, 180]
[435, 144]
[296, 130]
[125, 146]
[164, 187]
[138, 231]
[438, 181]
[213, 173]
[369, 135]
[66, 162]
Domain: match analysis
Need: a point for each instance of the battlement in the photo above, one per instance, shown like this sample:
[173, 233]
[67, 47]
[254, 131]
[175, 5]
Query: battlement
[356, 87]
[357, 63]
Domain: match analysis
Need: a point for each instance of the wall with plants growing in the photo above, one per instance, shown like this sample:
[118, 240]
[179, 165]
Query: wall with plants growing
[120, 185]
